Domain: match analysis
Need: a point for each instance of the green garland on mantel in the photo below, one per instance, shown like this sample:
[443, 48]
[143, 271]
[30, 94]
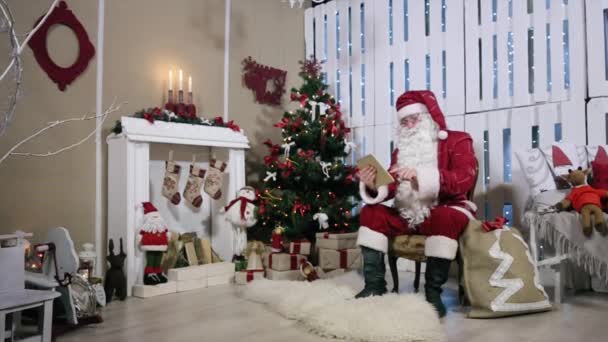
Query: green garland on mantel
[158, 114]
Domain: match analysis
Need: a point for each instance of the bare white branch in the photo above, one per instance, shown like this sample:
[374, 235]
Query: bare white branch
[21, 46]
[11, 152]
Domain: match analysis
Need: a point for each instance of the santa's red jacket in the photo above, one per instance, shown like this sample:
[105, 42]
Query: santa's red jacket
[447, 184]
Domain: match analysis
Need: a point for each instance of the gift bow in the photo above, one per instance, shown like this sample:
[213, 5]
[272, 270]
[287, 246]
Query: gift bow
[325, 168]
[349, 146]
[287, 148]
[270, 175]
[498, 223]
[322, 218]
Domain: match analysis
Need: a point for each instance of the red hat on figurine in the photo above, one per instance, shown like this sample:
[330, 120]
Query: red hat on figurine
[149, 208]
[422, 101]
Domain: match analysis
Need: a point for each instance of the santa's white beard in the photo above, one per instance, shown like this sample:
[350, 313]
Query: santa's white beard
[154, 224]
[417, 148]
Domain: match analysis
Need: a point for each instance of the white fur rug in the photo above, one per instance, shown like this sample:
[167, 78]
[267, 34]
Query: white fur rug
[327, 308]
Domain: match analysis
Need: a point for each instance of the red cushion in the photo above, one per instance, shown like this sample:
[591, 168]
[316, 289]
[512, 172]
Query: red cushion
[600, 175]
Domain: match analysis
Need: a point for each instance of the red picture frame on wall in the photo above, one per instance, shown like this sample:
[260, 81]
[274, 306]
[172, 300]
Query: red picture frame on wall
[62, 15]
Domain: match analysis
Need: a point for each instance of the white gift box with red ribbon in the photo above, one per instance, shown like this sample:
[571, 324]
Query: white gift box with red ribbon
[331, 259]
[299, 247]
[283, 261]
[284, 275]
[245, 276]
[336, 241]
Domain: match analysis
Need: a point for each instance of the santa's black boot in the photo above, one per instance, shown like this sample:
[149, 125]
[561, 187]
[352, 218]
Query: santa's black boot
[437, 271]
[374, 271]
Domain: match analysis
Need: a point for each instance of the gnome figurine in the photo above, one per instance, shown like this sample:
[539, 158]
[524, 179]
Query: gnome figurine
[240, 212]
[153, 239]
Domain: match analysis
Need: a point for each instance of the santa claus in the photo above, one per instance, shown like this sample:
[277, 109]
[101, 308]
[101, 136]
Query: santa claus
[153, 239]
[433, 169]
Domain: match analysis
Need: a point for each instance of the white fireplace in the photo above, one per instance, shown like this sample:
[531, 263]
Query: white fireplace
[135, 175]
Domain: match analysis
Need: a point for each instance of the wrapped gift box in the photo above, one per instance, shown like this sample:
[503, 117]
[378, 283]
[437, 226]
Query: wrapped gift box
[284, 275]
[187, 273]
[220, 279]
[220, 268]
[336, 241]
[299, 247]
[193, 284]
[330, 259]
[146, 291]
[283, 261]
[244, 277]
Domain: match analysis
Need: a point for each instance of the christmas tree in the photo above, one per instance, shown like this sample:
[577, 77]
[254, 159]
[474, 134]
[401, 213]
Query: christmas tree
[307, 185]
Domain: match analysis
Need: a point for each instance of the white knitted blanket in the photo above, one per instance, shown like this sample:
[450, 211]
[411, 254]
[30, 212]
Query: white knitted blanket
[564, 232]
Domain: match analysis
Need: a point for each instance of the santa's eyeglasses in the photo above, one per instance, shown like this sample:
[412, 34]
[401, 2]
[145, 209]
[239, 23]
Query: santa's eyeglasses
[411, 120]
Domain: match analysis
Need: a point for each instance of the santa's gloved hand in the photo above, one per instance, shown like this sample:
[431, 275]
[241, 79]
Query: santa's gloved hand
[559, 207]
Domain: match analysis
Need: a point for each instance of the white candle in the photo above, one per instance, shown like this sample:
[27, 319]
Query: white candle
[170, 79]
[181, 80]
[189, 84]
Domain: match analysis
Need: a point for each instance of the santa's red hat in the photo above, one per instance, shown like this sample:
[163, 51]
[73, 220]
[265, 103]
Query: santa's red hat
[149, 208]
[422, 101]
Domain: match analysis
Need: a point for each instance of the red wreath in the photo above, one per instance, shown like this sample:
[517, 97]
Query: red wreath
[256, 77]
[61, 15]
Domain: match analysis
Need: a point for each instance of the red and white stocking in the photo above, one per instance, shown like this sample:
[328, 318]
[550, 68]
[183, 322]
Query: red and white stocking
[171, 182]
[215, 179]
[192, 192]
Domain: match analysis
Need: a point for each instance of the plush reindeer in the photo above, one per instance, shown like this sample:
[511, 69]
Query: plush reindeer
[585, 200]
[115, 282]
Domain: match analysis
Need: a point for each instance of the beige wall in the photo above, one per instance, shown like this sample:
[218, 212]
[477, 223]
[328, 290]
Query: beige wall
[39, 193]
[273, 34]
[143, 39]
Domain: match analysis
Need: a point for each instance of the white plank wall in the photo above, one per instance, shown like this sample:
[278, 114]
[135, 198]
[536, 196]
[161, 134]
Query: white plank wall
[478, 97]
[597, 111]
[596, 45]
[554, 13]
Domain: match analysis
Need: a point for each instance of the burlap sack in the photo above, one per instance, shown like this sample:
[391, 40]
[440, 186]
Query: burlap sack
[499, 276]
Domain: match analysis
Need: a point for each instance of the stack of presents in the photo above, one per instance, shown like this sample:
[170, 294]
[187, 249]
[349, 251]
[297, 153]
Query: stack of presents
[332, 253]
[189, 263]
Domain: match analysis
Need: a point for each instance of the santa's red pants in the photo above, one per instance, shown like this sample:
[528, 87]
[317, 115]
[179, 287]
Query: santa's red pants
[442, 228]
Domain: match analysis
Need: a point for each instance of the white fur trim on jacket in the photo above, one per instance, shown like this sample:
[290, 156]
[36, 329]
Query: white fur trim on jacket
[464, 211]
[414, 108]
[372, 239]
[428, 182]
[153, 248]
[380, 196]
[440, 247]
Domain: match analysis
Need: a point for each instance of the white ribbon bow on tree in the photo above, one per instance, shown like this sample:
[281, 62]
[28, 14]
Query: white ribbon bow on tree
[313, 110]
[325, 168]
[270, 175]
[287, 148]
[349, 146]
[322, 218]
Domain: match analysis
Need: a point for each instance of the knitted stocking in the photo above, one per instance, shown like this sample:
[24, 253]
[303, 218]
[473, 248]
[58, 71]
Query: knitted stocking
[215, 175]
[171, 182]
[192, 192]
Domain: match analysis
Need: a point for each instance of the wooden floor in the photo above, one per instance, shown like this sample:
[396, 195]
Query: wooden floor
[217, 314]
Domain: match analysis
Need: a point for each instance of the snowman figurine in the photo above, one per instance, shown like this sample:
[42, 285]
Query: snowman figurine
[240, 212]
